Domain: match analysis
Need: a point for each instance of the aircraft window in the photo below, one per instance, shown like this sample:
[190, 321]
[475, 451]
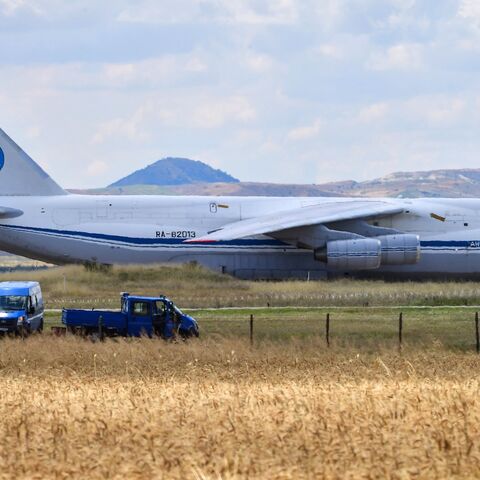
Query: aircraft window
[141, 309]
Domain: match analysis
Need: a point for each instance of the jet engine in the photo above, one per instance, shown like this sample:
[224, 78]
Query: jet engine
[401, 249]
[356, 254]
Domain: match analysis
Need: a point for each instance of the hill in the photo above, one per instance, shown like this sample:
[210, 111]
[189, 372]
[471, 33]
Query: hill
[435, 183]
[175, 171]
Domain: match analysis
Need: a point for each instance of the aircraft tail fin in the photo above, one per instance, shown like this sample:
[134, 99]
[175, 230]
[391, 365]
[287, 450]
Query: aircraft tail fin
[20, 175]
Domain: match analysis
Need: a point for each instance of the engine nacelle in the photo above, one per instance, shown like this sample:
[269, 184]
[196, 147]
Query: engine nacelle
[357, 254]
[401, 249]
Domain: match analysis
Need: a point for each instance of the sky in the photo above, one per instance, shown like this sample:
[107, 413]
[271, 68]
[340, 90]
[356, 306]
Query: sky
[297, 91]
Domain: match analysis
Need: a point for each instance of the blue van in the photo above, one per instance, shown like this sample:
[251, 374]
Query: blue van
[21, 307]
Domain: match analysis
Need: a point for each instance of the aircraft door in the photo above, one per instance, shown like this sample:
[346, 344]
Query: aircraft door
[456, 218]
[102, 210]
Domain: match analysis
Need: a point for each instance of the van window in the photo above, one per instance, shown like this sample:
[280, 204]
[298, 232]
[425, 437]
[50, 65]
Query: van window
[12, 302]
[160, 307]
[140, 309]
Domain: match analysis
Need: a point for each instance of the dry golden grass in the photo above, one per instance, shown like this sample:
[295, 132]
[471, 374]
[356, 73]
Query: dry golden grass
[12, 261]
[149, 409]
[193, 286]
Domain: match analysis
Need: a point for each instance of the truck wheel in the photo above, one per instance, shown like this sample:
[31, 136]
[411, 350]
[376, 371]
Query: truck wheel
[40, 328]
[23, 332]
[190, 333]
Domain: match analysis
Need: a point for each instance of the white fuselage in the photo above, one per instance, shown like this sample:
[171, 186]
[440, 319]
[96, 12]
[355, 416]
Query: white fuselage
[152, 229]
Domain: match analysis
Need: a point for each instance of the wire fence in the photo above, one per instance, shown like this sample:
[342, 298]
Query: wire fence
[389, 327]
[365, 327]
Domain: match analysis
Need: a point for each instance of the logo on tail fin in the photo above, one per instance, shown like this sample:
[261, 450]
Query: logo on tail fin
[2, 159]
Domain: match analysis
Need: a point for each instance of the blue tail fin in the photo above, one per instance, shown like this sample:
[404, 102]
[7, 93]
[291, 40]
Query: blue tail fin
[20, 175]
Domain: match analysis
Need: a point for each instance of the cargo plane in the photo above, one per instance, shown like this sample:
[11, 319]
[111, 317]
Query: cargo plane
[249, 237]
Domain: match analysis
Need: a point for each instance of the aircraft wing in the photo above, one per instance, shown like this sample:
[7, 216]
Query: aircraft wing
[301, 217]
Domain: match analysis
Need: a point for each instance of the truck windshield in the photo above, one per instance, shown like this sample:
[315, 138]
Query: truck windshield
[12, 302]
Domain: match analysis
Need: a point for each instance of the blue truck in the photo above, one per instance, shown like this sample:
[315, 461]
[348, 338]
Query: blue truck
[138, 316]
[21, 307]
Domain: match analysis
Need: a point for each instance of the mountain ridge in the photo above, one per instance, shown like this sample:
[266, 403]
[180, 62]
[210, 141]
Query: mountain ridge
[446, 183]
[175, 171]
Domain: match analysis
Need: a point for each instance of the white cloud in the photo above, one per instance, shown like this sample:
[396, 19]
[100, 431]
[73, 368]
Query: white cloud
[330, 50]
[470, 10]
[225, 79]
[422, 112]
[266, 12]
[132, 128]
[11, 7]
[305, 132]
[207, 113]
[195, 65]
[328, 13]
[215, 113]
[436, 110]
[271, 147]
[373, 112]
[152, 72]
[259, 63]
[448, 112]
[97, 168]
[34, 132]
[164, 12]
[273, 12]
[404, 56]
[404, 15]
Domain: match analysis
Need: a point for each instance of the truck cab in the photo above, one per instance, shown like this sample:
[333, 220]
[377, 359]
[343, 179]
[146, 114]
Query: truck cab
[156, 316]
[21, 307]
[151, 316]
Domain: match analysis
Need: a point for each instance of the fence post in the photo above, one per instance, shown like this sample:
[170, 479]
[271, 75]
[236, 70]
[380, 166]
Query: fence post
[251, 329]
[327, 329]
[400, 330]
[100, 327]
[477, 337]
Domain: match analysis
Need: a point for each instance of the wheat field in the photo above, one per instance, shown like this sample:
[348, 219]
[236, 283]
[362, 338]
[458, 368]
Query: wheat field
[224, 410]
[218, 408]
